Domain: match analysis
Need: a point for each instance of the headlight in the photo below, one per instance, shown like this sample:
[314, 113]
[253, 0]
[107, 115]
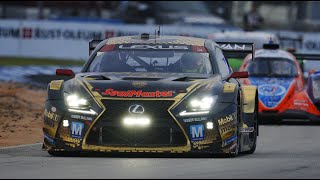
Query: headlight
[77, 104]
[73, 101]
[203, 104]
[199, 106]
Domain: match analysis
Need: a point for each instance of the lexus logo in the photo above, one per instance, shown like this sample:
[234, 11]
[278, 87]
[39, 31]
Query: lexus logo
[136, 109]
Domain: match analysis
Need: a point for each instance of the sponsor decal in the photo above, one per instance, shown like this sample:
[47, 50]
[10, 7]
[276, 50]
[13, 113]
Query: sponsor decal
[229, 140]
[195, 119]
[53, 109]
[74, 116]
[50, 139]
[70, 144]
[51, 33]
[230, 149]
[233, 46]
[226, 129]
[301, 104]
[139, 84]
[227, 125]
[51, 115]
[271, 91]
[234, 145]
[9, 32]
[197, 132]
[49, 123]
[247, 129]
[76, 129]
[134, 93]
[72, 140]
[141, 46]
[210, 136]
[27, 33]
[227, 119]
[136, 109]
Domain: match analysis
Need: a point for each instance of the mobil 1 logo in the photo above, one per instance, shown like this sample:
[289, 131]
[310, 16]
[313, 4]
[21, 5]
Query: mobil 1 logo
[197, 132]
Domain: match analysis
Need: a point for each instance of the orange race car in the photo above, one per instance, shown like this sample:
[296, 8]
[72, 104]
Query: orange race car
[280, 82]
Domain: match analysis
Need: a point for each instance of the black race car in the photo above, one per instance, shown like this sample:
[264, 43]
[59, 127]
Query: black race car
[153, 94]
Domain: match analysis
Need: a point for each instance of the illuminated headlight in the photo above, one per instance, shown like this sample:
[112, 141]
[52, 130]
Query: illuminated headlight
[140, 121]
[78, 105]
[209, 125]
[199, 106]
[73, 101]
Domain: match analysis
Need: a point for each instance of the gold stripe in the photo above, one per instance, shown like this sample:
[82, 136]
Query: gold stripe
[229, 87]
[56, 84]
[249, 96]
[88, 90]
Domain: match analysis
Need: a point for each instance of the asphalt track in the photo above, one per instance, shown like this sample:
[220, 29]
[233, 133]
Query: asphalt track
[284, 151]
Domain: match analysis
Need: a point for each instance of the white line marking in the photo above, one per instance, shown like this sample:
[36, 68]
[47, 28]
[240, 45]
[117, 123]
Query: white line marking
[25, 145]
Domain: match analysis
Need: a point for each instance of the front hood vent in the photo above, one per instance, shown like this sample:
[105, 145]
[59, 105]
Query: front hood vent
[141, 79]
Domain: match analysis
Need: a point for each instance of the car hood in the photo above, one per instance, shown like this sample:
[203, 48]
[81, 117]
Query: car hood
[140, 85]
[271, 90]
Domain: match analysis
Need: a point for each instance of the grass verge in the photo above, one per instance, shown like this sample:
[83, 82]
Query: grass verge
[19, 61]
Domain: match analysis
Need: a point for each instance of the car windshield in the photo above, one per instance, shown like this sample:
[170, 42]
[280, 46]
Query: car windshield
[272, 67]
[152, 58]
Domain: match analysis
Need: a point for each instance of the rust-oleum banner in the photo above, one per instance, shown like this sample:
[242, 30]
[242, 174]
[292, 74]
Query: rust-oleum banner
[70, 40]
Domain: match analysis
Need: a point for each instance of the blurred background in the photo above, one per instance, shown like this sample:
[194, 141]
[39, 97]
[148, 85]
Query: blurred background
[38, 36]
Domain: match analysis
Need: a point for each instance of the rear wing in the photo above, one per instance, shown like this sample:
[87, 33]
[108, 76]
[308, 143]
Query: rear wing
[302, 56]
[237, 49]
[93, 44]
[230, 49]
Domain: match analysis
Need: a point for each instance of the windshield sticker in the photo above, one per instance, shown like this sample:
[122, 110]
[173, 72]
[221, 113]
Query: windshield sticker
[158, 47]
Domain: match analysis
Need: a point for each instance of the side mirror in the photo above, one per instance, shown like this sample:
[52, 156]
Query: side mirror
[65, 72]
[243, 74]
[291, 50]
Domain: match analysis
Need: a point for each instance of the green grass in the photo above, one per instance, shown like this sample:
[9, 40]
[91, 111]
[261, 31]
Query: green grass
[18, 61]
[235, 63]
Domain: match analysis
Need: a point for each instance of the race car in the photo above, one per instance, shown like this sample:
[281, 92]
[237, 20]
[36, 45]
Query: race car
[153, 94]
[313, 88]
[280, 82]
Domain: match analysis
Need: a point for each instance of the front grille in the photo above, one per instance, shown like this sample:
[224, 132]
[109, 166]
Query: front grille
[110, 130]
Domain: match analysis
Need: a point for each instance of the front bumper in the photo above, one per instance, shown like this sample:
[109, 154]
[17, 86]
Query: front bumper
[189, 134]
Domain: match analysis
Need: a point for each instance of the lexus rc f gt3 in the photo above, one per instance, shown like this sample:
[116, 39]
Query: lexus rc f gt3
[153, 94]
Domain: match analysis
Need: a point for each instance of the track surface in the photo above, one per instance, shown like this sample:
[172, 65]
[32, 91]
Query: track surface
[283, 151]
